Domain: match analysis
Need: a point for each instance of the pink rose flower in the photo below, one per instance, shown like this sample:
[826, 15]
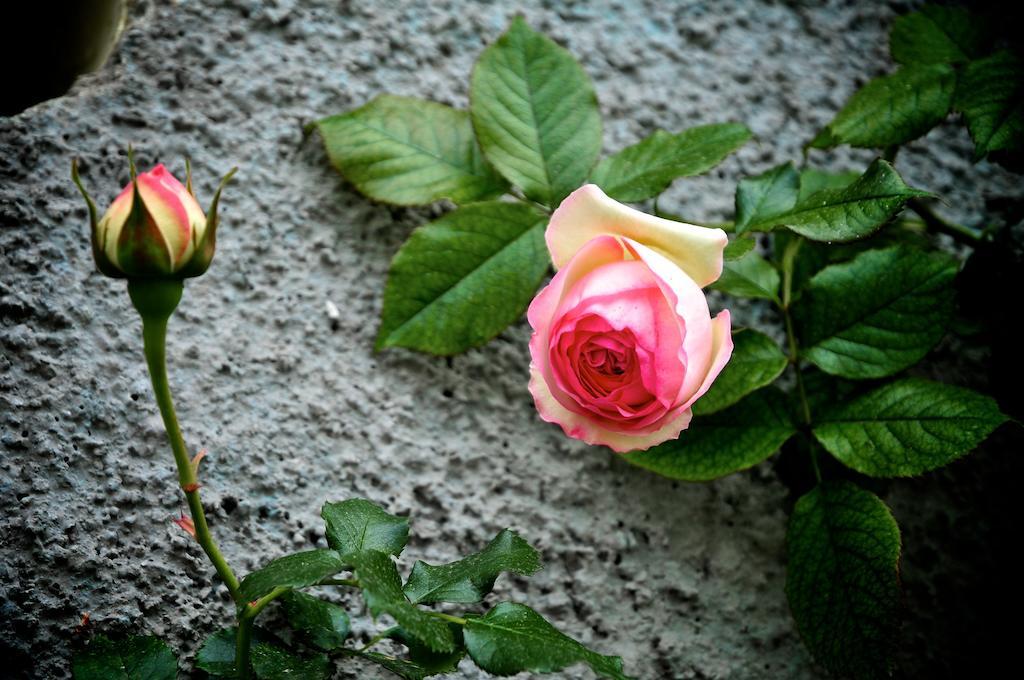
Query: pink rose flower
[623, 341]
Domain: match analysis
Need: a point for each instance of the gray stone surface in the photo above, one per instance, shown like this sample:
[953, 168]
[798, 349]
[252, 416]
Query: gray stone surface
[683, 581]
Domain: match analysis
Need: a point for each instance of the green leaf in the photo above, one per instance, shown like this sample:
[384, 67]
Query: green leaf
[738, 247]
[646, 169]
[813, 180]
[357, 524]
[324, 624]
[756, 361]
[427, 660]
[842, 579]
[512, 638]
[877, 314]
[471, 578]
[848, 213]
[382, 589]
[270, 662]
[937, 35]
[991, 97]
[403, 668]
[460, 280]
[766, 196]
[724, 442]
[535, 114]
[892, 109]
[217, 655]
[133, 658]
[293, 571]
[750, 276]
[908, 427]
[409, 152]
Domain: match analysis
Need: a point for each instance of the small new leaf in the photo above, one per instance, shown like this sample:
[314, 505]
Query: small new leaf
[646, 169]
[535, 114]
[133, 658]
[907, 427]
[357, 524]
[719, 444]
[877, 314]
[842, 579]
[382, 589]
[756, 361]
[324, 624]
[512, 638]
[460, 280]
[293, 571]
[409, 151]
[766, 196]
[991, 97]
[847, 213]
[892, 109]
[471, 578]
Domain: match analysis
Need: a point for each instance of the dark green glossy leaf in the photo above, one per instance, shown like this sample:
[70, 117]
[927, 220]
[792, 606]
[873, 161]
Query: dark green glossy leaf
[512, 638]
[460, 280]
[842, 579]
[877, 314]
[133, 658]
[382, 589]
[724, 442]
[991, 97]
[357, 524]
[217, 655]
[270, 662]
[471, 578]
[403, 668]
[535, 114]
[849, 213]
[427, 660]
[324, 624]
[813, 180]
[907, 427]
[750, 276]
[756, 361]
[937, 34]
[293, 571]
[410, 152]
[892, 109]
[644, 170]
[766, 196]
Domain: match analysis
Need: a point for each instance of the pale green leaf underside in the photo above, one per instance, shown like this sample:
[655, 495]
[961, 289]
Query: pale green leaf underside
[645, 169]
[133, 658]
[724, 442]
[471, 578]
[512, 638]
[749, 276]
[535, 114]
[756, 361]
[877, 314]
[293, 571]
[936, 35]
[991, 97]
[847, 213]
[459, 281]
[382, 590]
[765, 196]
[908, 427]
[410, 152]
[892, 109]
[357, 524]
[842, 578]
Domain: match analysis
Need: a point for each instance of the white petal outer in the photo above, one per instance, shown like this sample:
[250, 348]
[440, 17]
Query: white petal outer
[580, 427]
[588, 212]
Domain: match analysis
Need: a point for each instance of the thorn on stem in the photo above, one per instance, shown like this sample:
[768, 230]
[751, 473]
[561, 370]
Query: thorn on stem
[186, 524]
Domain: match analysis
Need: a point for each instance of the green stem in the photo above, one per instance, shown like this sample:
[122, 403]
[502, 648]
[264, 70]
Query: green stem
[351, 582]
[155, 301]
[449, 618]
[246, 621]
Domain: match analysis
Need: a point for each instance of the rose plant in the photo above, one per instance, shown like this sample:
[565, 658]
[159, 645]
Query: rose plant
[625, 353]
[155, 235]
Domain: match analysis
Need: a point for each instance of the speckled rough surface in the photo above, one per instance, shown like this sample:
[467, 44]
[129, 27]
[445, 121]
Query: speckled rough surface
[683, 581]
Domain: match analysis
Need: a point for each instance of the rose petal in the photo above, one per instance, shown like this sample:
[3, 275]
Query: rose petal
[588, 212]
[721, 352]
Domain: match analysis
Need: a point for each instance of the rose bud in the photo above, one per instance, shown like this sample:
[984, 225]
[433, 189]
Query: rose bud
[623, 341]
[155, 228]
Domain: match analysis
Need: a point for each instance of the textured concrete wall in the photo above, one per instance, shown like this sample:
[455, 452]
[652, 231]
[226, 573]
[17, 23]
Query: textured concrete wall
[683, 581]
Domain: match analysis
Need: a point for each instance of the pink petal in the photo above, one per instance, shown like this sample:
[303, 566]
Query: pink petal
[721, 351]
